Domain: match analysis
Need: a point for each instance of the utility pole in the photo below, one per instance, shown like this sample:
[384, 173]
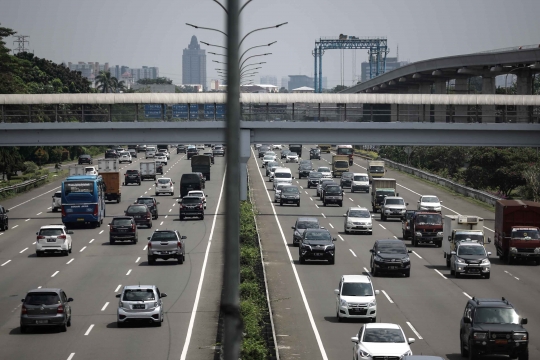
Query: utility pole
[21, 41]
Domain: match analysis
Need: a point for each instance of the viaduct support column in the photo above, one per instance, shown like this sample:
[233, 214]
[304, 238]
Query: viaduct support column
[425, 110]
[524, 87]
[414, 110]
[394, 113]
[440, 110]
[245, 153]
[488, 111]
[461, 111]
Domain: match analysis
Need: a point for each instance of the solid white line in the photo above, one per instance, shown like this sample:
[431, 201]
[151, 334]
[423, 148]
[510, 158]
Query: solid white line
[101, 232]
[23, 250]
[382, 226]
[7, 262]
[467, 295]
[105, 306]
[324, 216]
[56, 272]
[70, 261]
[414, 252]
[145, 247]
[82, 249]
[438, 272]
[352, 252]
[129, 272]
[339, 236]
[15, 226]
[332, 226]
[38, 214]
[27, 201]
[388, 297]
[351, 199]
[27, 219]
[71, 356]
[414, 330]
[366, 270]
[91, 241]
[201, 280]
[89, 329]
[117, 288]
[139, 258]
[298, 282]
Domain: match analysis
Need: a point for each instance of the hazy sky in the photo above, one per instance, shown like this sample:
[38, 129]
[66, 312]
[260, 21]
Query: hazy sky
[153, 33]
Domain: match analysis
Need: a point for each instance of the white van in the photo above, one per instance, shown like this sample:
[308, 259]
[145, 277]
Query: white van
[282, 176]
[150, 151]
[57, 201]
[360, 182]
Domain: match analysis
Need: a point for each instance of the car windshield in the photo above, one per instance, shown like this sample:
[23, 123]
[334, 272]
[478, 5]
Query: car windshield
[391, 248]
[121, 222]
[139, 295]
[471, 250]
[344, 151]
[84, 157]
[430, 199]
[318, 235]
[293, 154]
[164, 236]
[384, 192]
[283, 175]
[376, 169]
[359, 214]
[347, 176]
[58, 194]
[51, 232]
[305, 167]
[357, 289]
[268, 157]
[148, 202]
[43, 298]
[432, 219]
[124, 153]
[78, 187]
[290, 190]
[307, 225]
[315, 175]
[192, 193]
[132, 171]
[280, 187]
[528, 234]
[333, 189]
[137, 209]
[395, 202]
[191, 200]
[383, 336]
[360, 178]
[323, 169]
[164, 181]
[469, 237]
[341, 164]
[484, 315]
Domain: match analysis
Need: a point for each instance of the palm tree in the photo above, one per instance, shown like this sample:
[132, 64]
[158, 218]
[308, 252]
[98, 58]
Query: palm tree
[105, 82]
[120, 86]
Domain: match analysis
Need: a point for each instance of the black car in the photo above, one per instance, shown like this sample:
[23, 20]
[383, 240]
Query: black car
[317, 244]
[111, 154]
[315, 154]
[493, 327]
[4, 218]
[269, 166]
[262, 150]
[406, 224]
[290, 195]
[132, 177]
[333, 194]
[346, 179]
[304, 170]
[284, 154]
[159, 167]
[218, 150]
[192, 151]
[141, 148]
[141, 213]
[151, 203]
[323, 187]
[190, 181]
[313, 179]
[211, 155]
[390, 256]
[122, 228]
[180, 149]
[85, 159]
[303, 223]
[191, 206]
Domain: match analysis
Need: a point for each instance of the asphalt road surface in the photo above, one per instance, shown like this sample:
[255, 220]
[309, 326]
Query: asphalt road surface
[96, 271]
[428, 305]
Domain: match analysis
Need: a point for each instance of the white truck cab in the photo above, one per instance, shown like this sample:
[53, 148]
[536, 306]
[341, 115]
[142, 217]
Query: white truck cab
[461, 228]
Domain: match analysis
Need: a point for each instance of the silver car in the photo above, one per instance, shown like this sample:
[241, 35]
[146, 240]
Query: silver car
[140, 303]
[46, 307]
[166, 244]
[393, 207]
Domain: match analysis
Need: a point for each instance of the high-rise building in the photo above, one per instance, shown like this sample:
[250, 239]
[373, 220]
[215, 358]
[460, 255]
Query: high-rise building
[269, 80]
[298, 81]
[214, 85]
[392, 63]
[194, 64]
[285, 82]
[92, 69]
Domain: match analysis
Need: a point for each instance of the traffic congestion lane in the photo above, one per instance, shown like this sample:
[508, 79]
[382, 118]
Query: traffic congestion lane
[116, 259]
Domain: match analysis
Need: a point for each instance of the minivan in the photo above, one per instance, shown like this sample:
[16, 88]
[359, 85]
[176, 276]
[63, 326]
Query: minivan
[282, 175]
[150, 152]
[188, 182]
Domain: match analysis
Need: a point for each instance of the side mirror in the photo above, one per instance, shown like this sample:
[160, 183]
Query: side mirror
[466, 320]
[440, 202]
[354, 339]
[52, 196]
[489, 253]
[22, 300]
[163, 295]
[334, 239]
[411, 340]
[174, 182]
[409, 251]
[158, 202]
[449, 238]
[183, 237]
[70, 299]
[524, 321]
[344, 215]
[7, 210]
[118, 295]
[336, 291]
[489, 240]
[125, 212]
[70, 232]
[397, 194]
[418, 201]
[292, 227]
[37, 233]
[452, 253]
[371, 251]
[148, 238]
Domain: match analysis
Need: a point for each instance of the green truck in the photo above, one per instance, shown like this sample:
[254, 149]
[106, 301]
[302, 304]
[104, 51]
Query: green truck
[201, 163]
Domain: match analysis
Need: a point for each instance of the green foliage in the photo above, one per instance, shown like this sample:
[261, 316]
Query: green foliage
[339, 88]
[531, 189]
[30, 167]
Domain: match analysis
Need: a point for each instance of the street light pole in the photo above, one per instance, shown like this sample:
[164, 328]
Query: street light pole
[264, 28]
[253, 47]
[252, 56]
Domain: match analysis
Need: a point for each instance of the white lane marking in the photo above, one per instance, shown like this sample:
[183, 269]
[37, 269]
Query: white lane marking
[351, 199]
[82, 249]
[516, 278]
[34, 243]
[149, 188]
[91, 241]
[301, 187]
[101, 232]
[395, 237]
[306, 192]
[311, 198]
[467, 295]
[145, 247]
[332, 226]
[15, 226]
[173, 206]
[105, 306]
[295, 272]
[49, 208]
[39, 213]
[438, 272]
[324, 216]
[139, 258]
[339, 236]
[27, 201]
[89, 329]
[166, 216]
[39, 287]
[7, 262]
[117, 288]
[382, 226]
[489, 229]
[414, 330]
[71, 356]
[170, 210]
[317, 206]
[161, 223]
[70, 261]
[414, 252]
[352, 252]
[146, 192]
[23, 250]
[203, 271]
[56, 272]
[366, 270]
[129, 272]
[27, 220]
[387, 296]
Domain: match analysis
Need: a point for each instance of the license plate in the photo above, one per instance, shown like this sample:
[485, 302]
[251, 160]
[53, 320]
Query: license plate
[501, 341]
[318, 254]
[138, 306]
[42, 321]
[51, 240]
[392, 267]
[290, 201]
[122, 230]
[79, 219]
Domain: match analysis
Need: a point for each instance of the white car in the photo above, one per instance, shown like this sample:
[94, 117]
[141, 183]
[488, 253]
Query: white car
[125, 156]
[56, 201]
[200, 147]
[161, 158]
[358, 219]
[164, 186]
[200, 194]
[292, 157]
[381, 341]
[53, 239]
[150, 152]
[470, 258]
[277, 193]
[429, 203]
[166, 153]
[325, 171]
[277, 146]
[360, 182]
[355, 298]
[90, 170]
[271, 172]
[267, 159]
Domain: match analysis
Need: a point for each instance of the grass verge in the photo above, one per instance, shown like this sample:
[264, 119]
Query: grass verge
[4, 195]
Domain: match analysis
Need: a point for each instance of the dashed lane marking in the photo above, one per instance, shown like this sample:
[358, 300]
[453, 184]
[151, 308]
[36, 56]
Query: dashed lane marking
[89, 329]
[387, 296]
[117, 288]
[70, 261]
[105, 306]
[23, 250]
[382, 226]
[467, 295]
[438, 272]
[129, 272]
[7, 262]
[339, 236]
[55, 273]
[324, 216]
[352, 252]
[332, 226]
[84, 247]
[415, 253]
[414, 331]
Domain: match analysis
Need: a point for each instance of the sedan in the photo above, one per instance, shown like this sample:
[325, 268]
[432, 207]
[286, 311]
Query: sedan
[267, 159]
[292, 157]
[85, 159]
[325, 171]
[429, 203]
[141, 213]
[381, 341]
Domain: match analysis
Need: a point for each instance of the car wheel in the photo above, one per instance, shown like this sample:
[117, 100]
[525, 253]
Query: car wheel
[70, 248]
[158, 324]
[63, 327]
[181, 217]
[339, 319]
[202, 217]
[333, 261]
[524, 354]
[298, 204]
[374, 272]
[456, 274]
[112, 241]
[407, 273]
[151, 260]
[472, 355]
[302, 260]
[134, 241]
[150, 226]
[487, 276]
[181, 259]
[24, 329]
[341, 204]
[38, 253]
[281, 203]
[324, 203]
[346, 231]
[65, 252]
[447, 261]
[414, 242]
[69, 322]
[352, 190]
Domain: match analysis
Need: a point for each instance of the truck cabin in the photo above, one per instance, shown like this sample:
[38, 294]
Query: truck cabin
[376, 169]
[428, 219]
[380, 194]
[525, 233]
[465, 236]
[341, 164]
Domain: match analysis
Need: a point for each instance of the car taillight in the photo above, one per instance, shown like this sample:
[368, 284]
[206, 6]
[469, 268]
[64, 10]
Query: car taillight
[40, 237]
[60, 309]
[149, 244]
[200, 206]
[148, 216]
[63, 237]
[179, 244]
[133, 227]
[63, 211]
[95, 210]
[23, 310]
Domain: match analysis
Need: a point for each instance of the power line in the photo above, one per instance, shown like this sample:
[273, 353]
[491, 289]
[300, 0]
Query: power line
[21, 41]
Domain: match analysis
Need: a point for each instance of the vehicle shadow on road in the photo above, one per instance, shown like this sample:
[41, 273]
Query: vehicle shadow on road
[141, 324]
[437, 267]
[334, 320]
[36, 330]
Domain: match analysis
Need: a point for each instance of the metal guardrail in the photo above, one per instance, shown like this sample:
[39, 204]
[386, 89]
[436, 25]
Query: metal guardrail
[24, 185]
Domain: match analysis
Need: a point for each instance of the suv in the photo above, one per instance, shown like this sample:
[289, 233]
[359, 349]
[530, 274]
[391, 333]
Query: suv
[46, 307]
[303, 223]
[493, 327]
[151, 203]
[304, 170]
[180, 149]
[192, 151]
[290, 195]
[351, 289]
[393, 206]
[313, 179]
[470, 258]
[358, 219]
[111, 154]
[315, 154]
[317, 244]
[346, 179]
[218, 150]
[164, 186]
[123, 228]
[132, 177]
[85, 159]
[390, 256]
[323, 181]
[53, 239]
[56, 201]
[165, 245]
[191, 206]
[141, 213]
[333, 194]
[140, 303]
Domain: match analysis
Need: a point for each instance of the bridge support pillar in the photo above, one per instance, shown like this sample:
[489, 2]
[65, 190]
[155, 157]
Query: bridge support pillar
[488, 111]
[245, 153]
[461, 111]
[394, 112]
[414, 110]
[425, 110]
[524, 87]
[440, 110]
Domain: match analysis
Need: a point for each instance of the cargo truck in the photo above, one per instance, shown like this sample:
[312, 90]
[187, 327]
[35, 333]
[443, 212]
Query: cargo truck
[381, 188]
[459, 228]
[517, 233]
[375, 169]
[148, 170]
[75, 170]
[340, 164]
[325, 148]
[110, 172]
[346, 150]
[296, 148]
[201, 163]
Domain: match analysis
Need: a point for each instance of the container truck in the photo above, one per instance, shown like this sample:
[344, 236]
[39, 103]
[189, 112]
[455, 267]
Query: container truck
[381, 188]
[340, 164]
[517, 234]
[201, 163]
[75, 170]
[148, 170]
[109, 170]
[375, 169]
[325, 148]
[459, 228]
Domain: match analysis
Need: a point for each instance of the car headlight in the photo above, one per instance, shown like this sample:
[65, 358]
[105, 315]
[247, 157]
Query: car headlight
[406, 259]
[513, 250]
[343, 302]
[423, 208]
[440, 233]
[485, 262]
[460, 261]
[408, 353]
[520, 336]
[306, 246]
[373, 303]
[330, 247]
[419, 234]
[408, 227]
[480, 336]
[121, 304]
[537, 251]
[364, 354]
[377, 258]
[349, 223]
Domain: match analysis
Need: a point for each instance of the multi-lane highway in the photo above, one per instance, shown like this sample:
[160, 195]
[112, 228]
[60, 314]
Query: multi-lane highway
[428, 305]
[96, 271]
